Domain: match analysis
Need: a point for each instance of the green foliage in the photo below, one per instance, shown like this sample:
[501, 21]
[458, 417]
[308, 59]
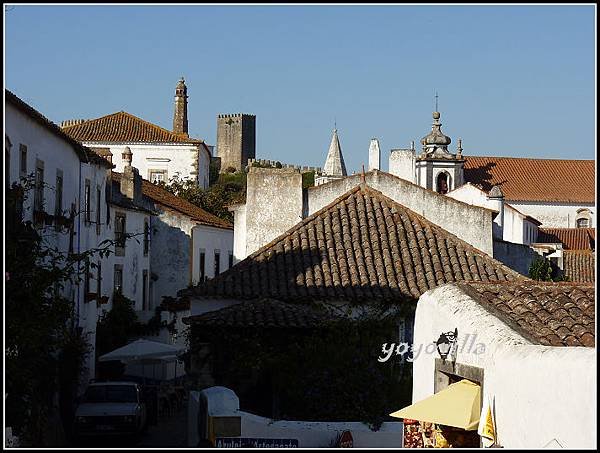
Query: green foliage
[39, 320]
[229, 188]
[308, 179]
[331, 374]
[542, 270]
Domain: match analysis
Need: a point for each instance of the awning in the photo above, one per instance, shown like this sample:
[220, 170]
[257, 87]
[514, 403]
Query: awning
[458, 405]
[141, 350]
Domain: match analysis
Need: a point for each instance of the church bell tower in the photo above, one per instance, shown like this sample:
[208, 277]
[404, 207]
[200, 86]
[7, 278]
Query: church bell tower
[180, 119]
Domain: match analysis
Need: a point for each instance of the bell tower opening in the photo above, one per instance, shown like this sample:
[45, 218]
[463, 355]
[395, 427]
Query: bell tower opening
[442, 183]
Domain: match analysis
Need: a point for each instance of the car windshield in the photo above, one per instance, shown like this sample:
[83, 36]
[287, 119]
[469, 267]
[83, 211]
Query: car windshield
[111, 394]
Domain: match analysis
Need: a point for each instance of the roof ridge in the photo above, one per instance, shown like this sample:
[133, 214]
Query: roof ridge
[363, 187]
[529, 158]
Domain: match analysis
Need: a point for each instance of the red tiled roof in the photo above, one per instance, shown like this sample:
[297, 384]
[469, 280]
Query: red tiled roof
[84, 153]
[263, 313]
[167, 199]
[362, 246]
[524, 179]
[571, 238]
[123, 127]
[551, 314]
[579, 266]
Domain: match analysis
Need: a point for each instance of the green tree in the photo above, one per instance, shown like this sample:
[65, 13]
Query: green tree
[542, 270]
[44, 351]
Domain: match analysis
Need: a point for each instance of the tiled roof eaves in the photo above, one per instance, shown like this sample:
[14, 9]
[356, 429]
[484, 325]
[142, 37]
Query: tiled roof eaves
[520, 318]
[242, 266]
[131, 206]
[554, 182]
[80, 130]
[85, 154]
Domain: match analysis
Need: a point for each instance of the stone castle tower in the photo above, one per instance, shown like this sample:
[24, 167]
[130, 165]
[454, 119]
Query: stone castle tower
[180, 117]
[236, 140]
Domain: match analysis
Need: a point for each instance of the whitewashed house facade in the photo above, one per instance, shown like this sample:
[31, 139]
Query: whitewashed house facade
[158, 154]
[70, 182]
[529, 346]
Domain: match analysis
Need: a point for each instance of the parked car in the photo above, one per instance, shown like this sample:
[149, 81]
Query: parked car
[111, 408]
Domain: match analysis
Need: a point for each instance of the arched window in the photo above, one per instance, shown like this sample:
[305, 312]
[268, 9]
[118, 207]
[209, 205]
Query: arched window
[583, 218]
[442, 183]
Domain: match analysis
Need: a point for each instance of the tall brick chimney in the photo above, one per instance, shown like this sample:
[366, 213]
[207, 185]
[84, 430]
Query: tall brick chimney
[131, 181]
[180, 118]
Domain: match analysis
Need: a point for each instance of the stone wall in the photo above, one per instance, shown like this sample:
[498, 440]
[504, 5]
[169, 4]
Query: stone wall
[472, 224]
[273, 204]
[236, 140]
[516, 256]
[402, 164]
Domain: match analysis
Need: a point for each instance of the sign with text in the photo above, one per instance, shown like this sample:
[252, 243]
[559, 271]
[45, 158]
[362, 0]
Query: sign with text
[247, 442]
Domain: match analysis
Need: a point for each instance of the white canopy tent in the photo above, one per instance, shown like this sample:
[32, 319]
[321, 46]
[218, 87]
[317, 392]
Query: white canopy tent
[137, 354]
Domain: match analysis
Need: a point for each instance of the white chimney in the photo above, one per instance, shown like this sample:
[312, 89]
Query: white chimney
[374, 155]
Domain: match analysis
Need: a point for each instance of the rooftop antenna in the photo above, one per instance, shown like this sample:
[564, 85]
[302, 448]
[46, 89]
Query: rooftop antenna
[362, 175]
[334, 123]
[436, 101]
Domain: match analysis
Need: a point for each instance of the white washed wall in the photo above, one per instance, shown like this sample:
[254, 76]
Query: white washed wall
[209, 239]
[58, 154]
[175, 158]
[554, 215]
[223, 402]
[516, 228]
[541, 393]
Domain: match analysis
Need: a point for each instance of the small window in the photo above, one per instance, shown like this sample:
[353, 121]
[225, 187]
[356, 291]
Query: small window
[99, 282]
[202, 265]
[146, 237]
[87, 209]
[120, 234]
[217, 262]
[38, 197]
[144, 289]
[583, 219]
[98, 208]
[157, 176]
[86, 281]
[58, 201]
[23, 160]
[118, 279]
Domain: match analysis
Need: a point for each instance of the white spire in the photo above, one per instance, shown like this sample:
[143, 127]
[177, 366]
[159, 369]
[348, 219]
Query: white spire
[334, 165]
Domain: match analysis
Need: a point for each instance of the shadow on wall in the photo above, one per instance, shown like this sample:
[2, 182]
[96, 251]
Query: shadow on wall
[172, 262]
[483, 176]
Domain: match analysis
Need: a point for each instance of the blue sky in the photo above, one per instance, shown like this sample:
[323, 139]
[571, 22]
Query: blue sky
[512, 81]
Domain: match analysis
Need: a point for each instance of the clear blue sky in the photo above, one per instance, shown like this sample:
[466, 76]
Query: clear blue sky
[512, 81]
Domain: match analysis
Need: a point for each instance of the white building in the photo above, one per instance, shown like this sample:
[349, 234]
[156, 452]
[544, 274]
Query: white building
[158, 153]
[557, 192]
[68, 204]
[510, 224]
[529, 345]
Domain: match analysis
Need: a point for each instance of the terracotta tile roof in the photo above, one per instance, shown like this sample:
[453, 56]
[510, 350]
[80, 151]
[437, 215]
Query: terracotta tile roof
[571, 238]
[523, 179]
[85, 154]
[551, 314]
[163, 197]
[579, 266]
[362, 246]
[263, 313]
[123, 127]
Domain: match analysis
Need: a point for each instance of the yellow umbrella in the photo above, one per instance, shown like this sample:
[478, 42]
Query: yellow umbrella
[458, 405]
